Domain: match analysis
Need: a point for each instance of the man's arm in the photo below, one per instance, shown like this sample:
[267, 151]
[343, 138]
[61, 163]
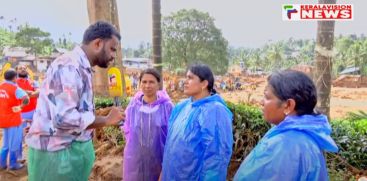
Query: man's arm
[115, 116]
[25, 101]
[20, 94]
[33, 93]
[65, 96]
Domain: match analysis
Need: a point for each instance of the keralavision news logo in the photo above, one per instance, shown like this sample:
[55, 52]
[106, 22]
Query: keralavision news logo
[328, 12]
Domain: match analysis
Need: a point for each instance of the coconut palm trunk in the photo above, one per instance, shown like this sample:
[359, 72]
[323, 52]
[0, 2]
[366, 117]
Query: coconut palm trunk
[157, 36]
[323, 60]
[105, 10]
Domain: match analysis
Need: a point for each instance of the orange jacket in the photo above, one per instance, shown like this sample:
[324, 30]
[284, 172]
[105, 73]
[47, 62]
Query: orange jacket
[27, 86]
[8, 118]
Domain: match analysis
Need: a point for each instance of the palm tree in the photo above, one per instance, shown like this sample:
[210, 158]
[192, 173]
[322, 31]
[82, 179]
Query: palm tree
[275, 56]
[105, 10]
[157, 36]
[323, 58]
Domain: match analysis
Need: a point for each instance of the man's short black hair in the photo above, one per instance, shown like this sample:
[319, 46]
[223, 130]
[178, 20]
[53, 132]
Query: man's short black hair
[100, 29]
[10, 74]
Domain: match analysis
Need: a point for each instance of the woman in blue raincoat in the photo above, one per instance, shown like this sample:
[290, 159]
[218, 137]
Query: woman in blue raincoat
[293, 148]
[145, 129]
[200, 138]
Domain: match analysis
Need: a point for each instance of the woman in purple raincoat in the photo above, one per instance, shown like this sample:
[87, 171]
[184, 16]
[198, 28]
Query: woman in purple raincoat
[145, 129]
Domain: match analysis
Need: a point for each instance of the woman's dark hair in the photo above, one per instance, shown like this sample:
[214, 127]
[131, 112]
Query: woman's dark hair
[151, 71]
[291, 84]
[204, 73]
[10, 74]
[100, 29]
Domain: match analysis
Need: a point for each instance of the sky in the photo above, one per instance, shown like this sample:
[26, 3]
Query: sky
[244, 23]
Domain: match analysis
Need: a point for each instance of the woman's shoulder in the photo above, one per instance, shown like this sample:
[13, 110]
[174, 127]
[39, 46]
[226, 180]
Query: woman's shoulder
[133, 103]
[293, 140]
[169, 104]
[183, 102]
[215, 107]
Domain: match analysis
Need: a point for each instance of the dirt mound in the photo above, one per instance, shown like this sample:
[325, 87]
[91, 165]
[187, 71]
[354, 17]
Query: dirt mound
[343, 99]
[307, 69]
[10, 175]
[103, 111]
[350, 81]
[108, 164]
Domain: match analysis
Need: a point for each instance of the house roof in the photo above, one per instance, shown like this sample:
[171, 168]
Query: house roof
[60, 50]
[137, 59]
[15, 52]
[350, 70]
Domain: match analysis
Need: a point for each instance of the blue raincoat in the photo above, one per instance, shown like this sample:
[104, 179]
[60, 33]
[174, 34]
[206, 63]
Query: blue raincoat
[199, 141]
[292, 150]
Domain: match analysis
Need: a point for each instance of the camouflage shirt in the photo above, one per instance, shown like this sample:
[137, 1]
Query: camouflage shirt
[65, 105]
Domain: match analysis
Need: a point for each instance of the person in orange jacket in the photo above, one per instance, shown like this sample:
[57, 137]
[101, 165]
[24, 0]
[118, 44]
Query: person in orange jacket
[12, 100]
[31, 88]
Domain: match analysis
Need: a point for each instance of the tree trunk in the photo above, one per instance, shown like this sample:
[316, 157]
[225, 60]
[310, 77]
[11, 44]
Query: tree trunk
[105, 10]
[157, 37]
[323, 58]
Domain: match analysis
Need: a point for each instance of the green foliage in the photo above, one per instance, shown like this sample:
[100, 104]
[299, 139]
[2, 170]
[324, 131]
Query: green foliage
[340, 175]
[111, 133]
[349, 51]
[248, 128]
[102, 102]
[351, 138]
[357, 116]
[33, 38]
[7, 38]
[276, 55]
[145, 50]
[350, 134]
[64, 42]
[190, 36]
[114, 134]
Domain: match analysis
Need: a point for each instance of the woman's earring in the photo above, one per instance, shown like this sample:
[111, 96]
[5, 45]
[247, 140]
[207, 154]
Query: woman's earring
[286, 113]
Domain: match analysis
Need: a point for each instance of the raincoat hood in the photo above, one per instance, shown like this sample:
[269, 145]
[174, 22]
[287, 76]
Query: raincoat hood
[316, 126]
[212, 98]
[215, 98]
[162, 97]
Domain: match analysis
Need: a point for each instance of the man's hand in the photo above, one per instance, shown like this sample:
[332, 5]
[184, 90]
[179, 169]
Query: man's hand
[16, 108]
[115, 116]
[33, 93]
[26, 130]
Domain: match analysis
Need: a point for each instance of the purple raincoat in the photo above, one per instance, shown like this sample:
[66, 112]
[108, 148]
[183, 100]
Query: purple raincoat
[145, 131]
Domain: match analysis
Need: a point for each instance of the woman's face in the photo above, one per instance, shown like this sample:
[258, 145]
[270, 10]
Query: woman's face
[149, 85]
[273, 108]
[192, 85]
